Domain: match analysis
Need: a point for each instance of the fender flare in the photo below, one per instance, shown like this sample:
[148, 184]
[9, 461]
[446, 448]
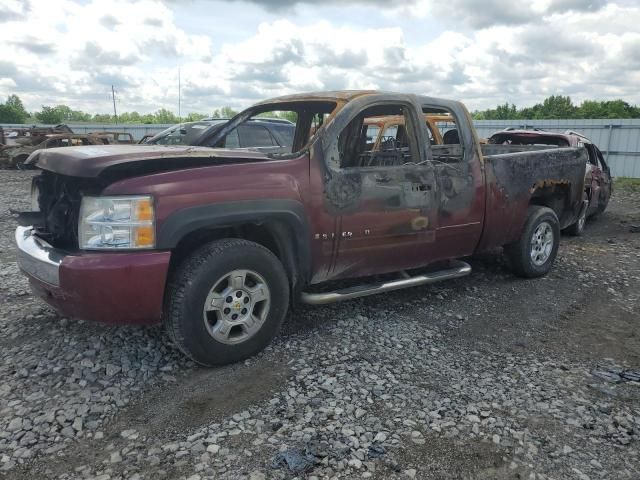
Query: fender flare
[280, 213]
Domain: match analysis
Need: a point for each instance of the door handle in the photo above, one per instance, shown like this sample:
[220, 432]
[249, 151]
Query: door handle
[379, 178]
[421, 187]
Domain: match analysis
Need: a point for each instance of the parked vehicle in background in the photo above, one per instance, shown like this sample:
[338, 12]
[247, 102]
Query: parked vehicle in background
[15, 156]
[114, 138]
[268, 134]
[598, 182]
[217, 242]
[146, 137]
[29, 135]
[186, 133]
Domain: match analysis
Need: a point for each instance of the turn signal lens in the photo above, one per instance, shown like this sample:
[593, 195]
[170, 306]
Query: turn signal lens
[144, 237]
[144, 210]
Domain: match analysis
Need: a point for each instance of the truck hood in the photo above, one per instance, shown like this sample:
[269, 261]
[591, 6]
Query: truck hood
[91, 161]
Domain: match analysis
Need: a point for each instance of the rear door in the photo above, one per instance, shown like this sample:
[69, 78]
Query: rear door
[460, 185]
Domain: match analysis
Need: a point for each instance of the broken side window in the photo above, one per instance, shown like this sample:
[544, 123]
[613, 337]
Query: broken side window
[372, 135]
[450, 150]
[394, 147]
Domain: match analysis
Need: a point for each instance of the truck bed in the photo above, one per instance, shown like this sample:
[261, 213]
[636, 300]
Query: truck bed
[515, 173]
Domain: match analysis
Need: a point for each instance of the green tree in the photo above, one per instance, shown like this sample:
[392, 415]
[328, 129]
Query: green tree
[507, 112]
[102, 118]
[557, 106]
[78, 116]
[50, 115]
[164, 116]
[224, 112]
[285, 115]
[592, 109]
[13, 111]
[15, 104]
[619, 109]
[129, 117]
[61, 114]
[194, 117]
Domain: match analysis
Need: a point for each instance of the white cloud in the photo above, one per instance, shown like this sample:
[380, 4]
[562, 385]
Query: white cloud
[65, 52]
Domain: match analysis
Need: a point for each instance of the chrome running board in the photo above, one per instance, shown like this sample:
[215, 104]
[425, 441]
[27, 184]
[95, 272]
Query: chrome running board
[457, 269]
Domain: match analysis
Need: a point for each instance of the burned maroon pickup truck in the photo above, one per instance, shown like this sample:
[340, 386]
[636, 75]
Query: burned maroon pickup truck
[218, 242]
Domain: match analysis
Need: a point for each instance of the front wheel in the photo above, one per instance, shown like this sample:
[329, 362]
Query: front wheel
[226, 301]
[20, 162]
[534, 253]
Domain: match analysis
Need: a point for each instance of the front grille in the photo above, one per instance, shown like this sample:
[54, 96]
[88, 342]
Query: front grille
[59, 199]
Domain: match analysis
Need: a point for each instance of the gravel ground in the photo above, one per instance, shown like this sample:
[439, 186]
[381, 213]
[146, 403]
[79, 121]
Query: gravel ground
[489, 376]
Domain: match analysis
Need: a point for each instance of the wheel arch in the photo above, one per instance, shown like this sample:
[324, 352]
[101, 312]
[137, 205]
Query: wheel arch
[558, 197]
[278, 225]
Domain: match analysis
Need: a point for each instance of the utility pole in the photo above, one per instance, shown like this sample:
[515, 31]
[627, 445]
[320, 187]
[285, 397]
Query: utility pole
[179, 97]
[113, 96]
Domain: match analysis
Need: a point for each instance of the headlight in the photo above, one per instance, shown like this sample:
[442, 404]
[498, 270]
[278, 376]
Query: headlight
[116, 223]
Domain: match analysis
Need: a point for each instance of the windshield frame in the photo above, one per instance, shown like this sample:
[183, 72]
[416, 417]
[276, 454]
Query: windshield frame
[301, 106]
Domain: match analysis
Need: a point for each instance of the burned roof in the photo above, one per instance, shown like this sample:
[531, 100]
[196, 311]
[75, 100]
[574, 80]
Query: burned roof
[342, 96]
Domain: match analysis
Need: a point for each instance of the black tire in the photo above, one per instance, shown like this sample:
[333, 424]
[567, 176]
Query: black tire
[603, 203]
[190, 285]
[20, 165]
[520, 252]
[577, 229]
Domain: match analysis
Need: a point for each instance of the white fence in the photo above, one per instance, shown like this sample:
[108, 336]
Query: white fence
[619, 140]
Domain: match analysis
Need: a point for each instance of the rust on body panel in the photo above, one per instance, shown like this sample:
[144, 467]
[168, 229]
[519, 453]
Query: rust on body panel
[553, 178]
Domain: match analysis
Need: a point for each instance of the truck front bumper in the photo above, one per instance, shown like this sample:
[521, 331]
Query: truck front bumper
[115, 288]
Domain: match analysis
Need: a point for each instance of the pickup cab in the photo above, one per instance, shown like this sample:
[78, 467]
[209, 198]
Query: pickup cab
[218, 243]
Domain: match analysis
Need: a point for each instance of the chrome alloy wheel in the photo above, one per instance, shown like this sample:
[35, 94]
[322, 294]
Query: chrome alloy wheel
[541, 244]
[236, 307]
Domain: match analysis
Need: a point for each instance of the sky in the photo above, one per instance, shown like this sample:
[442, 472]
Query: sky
[236, 52]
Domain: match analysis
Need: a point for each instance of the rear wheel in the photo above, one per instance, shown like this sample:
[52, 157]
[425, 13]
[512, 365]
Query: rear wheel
[226, 301]
[534, 253]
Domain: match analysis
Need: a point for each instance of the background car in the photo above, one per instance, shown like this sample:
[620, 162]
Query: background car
[271, 135]
[14, 156]
[186, 133]
[114, 138]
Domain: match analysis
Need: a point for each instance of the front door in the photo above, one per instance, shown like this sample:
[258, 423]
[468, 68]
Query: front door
[384, 196]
